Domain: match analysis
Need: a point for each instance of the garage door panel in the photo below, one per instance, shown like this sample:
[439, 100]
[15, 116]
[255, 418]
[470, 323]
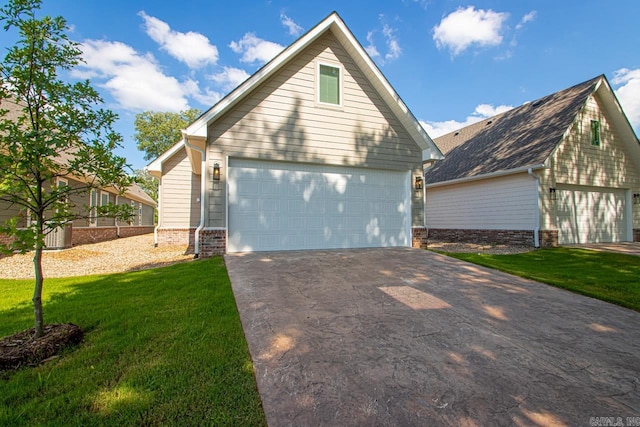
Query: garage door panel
[309, 207]
[591, 215]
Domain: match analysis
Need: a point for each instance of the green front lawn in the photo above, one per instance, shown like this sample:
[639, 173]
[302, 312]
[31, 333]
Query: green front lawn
[607, 276]
[161, 347]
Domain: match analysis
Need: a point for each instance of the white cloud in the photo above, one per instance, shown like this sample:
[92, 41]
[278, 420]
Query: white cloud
[254, 49]
[135, 81]
[526, 18]
[629, 93]
[391, 40]
[371, 48]
[191, 48]
[208, 97]
[482, 111]
[393, 46]
[466, 27]
[230, 77]
[294, 29]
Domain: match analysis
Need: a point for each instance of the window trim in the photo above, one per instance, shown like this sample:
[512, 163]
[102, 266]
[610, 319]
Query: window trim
[93, 213]
[596, 131]
[340, 84]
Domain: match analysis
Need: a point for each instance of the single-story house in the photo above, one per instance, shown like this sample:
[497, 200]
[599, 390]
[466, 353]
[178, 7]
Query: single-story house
[315, 150]
[559, 170]
[92, 229]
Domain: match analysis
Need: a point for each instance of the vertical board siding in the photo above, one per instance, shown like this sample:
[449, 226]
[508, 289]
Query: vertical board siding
[504, 203]
[180, 190]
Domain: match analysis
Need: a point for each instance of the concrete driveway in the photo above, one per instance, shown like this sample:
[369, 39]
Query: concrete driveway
[397, 337]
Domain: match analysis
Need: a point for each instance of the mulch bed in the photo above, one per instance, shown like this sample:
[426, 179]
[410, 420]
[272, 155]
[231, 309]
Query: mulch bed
[22, 349]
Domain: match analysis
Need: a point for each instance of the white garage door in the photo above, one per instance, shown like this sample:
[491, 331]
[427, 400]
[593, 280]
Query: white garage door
[284, 206]
[590, 215]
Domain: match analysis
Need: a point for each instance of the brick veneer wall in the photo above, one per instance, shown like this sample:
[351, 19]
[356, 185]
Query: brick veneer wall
[135, 230]
[419, 237]
[84, 235]
[177, 236]
[213, 242]
[636, 234]
[548, 238]
[487, 237]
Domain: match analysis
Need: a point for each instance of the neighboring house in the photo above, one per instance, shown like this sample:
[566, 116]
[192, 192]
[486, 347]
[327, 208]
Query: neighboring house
[563, 169]
[314, 151]
[92, 229]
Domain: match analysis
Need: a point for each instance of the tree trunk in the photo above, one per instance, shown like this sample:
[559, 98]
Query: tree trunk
[37, 293]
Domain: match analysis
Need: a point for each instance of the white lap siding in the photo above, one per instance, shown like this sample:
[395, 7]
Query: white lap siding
[504, 203]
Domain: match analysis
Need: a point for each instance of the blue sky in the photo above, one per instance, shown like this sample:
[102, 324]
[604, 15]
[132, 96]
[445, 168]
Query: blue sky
[453, 62]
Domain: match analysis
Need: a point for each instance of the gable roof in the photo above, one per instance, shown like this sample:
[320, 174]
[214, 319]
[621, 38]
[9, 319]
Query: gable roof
[333, 23]
[518, 139]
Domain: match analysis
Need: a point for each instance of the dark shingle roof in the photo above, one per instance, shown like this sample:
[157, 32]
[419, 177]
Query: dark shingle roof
[523, 136]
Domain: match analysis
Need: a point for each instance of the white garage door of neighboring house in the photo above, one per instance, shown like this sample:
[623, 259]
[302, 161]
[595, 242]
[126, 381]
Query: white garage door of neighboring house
[285, 206]
[591, 215]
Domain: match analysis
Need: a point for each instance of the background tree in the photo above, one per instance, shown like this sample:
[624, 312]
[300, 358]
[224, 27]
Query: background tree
[59, 132]
[147, 182]
[157, 131]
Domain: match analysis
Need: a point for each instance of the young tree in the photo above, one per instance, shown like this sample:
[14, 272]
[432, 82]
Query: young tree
[55, 131]
[157, 131]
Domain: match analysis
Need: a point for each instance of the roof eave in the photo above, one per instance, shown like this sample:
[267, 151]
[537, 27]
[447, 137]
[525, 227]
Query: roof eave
[495, 174]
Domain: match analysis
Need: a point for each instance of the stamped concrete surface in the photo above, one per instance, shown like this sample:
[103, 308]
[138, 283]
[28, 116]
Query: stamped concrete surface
[406, 337]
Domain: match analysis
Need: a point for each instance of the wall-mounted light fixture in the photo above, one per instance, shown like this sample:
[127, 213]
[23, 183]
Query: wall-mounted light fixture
[216, 172]
[552, 194]
[636, 198]
[418, 184]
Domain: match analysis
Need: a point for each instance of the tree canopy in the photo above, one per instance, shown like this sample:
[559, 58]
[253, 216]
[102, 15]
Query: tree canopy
[51, 131]
[157, 131]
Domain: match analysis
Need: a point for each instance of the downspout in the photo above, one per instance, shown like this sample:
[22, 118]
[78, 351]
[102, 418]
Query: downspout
[116, 220]
[203, 182]
[536, 230]
[155, 229]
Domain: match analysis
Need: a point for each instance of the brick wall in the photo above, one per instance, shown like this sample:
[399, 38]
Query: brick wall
[548, 238]
[487, 237]
[84, 235]
[636, 234]
[212, 242]
[419, 237]
[128, 231]
[177, 236]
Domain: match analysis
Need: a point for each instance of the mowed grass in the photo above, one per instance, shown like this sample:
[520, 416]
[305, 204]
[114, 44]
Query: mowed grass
[606, 276]
[161, 347]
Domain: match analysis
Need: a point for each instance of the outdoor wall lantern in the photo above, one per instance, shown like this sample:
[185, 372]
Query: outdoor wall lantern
[216, 172]
[418, 183]
[636, 198]
[552, 194]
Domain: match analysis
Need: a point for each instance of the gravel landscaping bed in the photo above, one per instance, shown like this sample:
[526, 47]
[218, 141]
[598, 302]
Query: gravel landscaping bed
[125, 254]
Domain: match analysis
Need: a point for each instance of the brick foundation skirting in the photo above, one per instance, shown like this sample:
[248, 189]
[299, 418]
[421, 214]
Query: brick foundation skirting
[177, 236]
[636, 234]
[212, 242]
[548, 238]
[419, 237]
[485, 237]
[84, 235]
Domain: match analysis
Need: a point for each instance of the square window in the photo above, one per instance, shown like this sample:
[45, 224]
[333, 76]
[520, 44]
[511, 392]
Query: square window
[329, 84]
[595, 133]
